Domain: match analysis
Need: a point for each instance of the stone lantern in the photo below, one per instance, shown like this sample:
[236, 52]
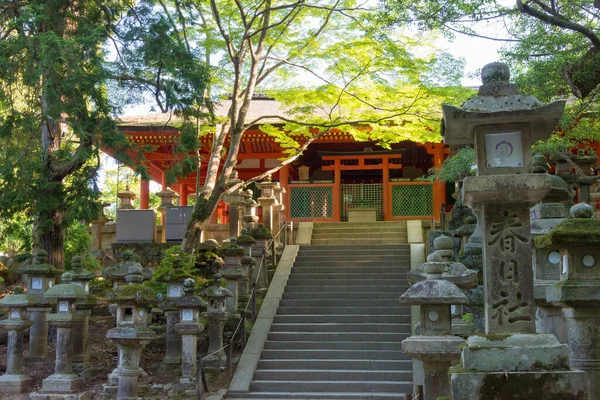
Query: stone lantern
[63, 384]
[216, 315]
[174, 283]
[167, 197]
[578, 292]
[434, 344]
[544, 217]
[189, 328]
[278, 209]
[14, 381]
[262, 236]
[267, 201]
[126, 198]
[502, 123]
[134, 302]
[233, 272]
[80, 330]
[40, 276]
[117, 272]
[233, 200]
[250, 217]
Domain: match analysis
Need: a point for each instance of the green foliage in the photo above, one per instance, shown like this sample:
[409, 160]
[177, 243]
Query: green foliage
[173, 265]
[468, 318]
[77, 243]
[16, 235]
[455, 167]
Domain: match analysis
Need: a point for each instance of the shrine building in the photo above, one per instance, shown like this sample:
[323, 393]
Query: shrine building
[333, 177]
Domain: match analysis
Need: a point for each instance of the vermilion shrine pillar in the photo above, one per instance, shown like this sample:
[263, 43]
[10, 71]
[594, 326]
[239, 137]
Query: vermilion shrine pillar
[183, 191]
[439, 188]
[144, 194]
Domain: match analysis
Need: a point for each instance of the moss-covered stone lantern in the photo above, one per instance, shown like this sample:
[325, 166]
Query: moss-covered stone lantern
[233, 272]
[216, 315]
[578, 292]
[502, 123]
[116, 272]
[40, 276]
[174, 281]
[233, 199]
[262, 236]
[63, 383]
[80, 331]
[189, 328]
[134, 302]
[14, 381]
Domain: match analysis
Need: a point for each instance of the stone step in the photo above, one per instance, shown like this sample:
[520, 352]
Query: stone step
[349, 270]
[353, 288]
[320, 345]
[286, 310]
[401, 265]
[358, 224]
[330, 375]
[374, 303]
[331, 386]
[347, 318]
[317, 396]
[345, 363]
[362, 241]
[359, 274]
[341, 247]
[335, 327]
[349, 295]
[374, 284]
[359, 235]
[341, 256]
[366, 230]
[337, 337]
[353, 250]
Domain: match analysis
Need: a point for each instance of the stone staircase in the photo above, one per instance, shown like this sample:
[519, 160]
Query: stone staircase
[360, 233]
[338, 330]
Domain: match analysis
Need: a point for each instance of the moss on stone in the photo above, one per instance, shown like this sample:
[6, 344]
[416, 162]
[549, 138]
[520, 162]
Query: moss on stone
[524, 386]
[571, 231]
[130, 292]
[495, 337]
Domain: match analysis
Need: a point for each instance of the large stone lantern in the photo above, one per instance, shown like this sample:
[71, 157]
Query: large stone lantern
[134, 302]
[14, 381]
[233, 272]
[189, 328]
[40, 276]
[233, 199]
[174, 281]
[64, 383]
[250, 205]
[501, 124]
[216, 315]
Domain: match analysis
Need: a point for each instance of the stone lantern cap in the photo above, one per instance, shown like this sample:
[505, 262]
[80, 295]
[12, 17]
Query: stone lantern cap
[189, 300]
[498, 101]
[468, 227]
[261, 232]
[434, 291]
[244, 239]
[248, 261]
[78, 273]
[435, 268]
[573, 233]
[232, 249]
[177, 274]
[118, 270]
[18, 299]
[216, 291]
[209, 245]
[40, 266]
[233, 179]
[65, 290]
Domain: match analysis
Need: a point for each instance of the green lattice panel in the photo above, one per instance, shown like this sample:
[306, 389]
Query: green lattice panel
[412, 201]
[311, 202]
[365, 195]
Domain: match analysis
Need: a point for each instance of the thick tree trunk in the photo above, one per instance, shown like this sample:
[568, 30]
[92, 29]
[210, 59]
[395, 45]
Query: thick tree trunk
[53, 240]
[206, 205]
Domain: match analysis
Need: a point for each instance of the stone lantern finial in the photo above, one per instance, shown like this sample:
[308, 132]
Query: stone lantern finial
[189, 286]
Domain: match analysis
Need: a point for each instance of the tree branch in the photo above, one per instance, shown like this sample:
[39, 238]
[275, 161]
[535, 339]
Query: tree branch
[560, 21]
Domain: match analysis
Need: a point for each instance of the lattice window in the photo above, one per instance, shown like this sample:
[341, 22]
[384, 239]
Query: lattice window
[362, 195]
[412, 201]
[311, 202]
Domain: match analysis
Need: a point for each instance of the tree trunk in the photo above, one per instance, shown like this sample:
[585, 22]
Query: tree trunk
[583, 76]
[206, 205]
[53, 240]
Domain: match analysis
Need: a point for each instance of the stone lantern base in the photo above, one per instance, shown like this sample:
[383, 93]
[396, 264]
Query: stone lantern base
[516, 367]
[18, 383]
